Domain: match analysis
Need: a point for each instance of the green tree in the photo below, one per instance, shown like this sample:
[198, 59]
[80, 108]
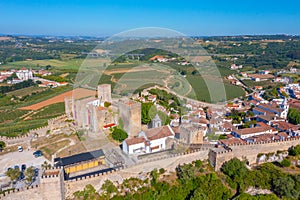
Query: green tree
[119, 134]
[198, 194]
[286, 163]
[109, 188]
[29, 173]
[13, 174]
[2, 145]
[88, 193]
[146, 118]
[46, 165]
[294, 116]
[107, 104]
[294, 151]
[284, 187]
[236, 170]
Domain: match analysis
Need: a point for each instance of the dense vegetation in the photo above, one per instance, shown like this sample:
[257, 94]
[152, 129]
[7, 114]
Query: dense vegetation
[197, 181]
[24, 84]
[118, 134]
[149, 111]
[294, 116]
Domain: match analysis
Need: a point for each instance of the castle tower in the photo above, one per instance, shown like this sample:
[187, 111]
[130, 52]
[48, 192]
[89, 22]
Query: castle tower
[130, 114]
[156, 122]
[104, 93]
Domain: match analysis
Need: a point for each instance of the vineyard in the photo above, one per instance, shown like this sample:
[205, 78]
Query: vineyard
[11, 115]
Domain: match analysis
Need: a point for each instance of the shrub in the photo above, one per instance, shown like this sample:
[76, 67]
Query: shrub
[294, 150]
[285, 162]
[119, 134]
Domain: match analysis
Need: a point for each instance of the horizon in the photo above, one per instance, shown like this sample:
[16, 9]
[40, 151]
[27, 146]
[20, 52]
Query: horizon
[55, 18]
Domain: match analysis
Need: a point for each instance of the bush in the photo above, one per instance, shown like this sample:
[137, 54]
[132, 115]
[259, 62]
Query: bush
[119, 134]
[2, 145]
[162, 170]
[107, 104]
[294, 151]
[285, 163]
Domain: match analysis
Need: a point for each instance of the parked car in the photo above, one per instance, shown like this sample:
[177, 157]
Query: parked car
[20, 148]
[23, 167]
[37, 153]
[16, 167]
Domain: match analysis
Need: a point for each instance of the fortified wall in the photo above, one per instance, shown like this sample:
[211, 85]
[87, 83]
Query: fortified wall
[249, 151]
[51, 187]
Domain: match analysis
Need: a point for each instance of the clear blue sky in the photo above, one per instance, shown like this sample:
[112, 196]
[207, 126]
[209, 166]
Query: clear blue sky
[104, 18]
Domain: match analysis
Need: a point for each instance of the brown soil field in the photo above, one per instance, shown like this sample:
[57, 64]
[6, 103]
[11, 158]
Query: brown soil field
[78, 93]
[136, 69]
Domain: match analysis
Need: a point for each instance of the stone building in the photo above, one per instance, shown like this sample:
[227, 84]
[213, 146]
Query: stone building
[130, 114]
[88, 113]
[191, 134]
[104, 93]
[156, 122]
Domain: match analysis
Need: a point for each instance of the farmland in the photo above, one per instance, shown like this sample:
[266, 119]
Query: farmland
[78, 93]
[203, 94]
[25, 91]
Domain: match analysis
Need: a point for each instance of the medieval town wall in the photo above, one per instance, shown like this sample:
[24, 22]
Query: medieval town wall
[249, 151]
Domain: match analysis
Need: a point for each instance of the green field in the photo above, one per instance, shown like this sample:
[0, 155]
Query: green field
[11, 123]
[265, 84]
[11, 115]
[202, 93]
[50, 111]
[25, 91]
[36, 64]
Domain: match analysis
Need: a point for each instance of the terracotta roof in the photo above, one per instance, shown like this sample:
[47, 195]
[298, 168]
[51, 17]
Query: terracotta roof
[101, 108]
[270, 117]
[270, 107]
[137, 140]
[109, 125]
[264, 137]
[256, 129]
[294, 104]
[263, 111]
[157, 133]
[284, 126]
[232, 141]
[157, 57]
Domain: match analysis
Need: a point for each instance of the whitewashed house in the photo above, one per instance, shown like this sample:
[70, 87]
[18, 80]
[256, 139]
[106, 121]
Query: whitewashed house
[148, 141]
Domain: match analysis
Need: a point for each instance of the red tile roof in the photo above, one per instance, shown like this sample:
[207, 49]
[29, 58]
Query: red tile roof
[158, 133]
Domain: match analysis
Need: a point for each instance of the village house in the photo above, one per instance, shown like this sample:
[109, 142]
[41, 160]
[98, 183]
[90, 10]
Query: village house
[249, 132]
[260, 77]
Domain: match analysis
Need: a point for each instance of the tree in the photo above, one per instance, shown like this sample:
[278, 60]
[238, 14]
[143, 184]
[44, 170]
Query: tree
[2, 145]
[286, 163]
[146, 118]
[107, 104]
[46, 165]
[88, 193]
[109, 188]
[29, 173]
[236, 170]
[294, 116]
[119, 134]
[13, 174]
[284, 186]
[198, 194]
[294, 151]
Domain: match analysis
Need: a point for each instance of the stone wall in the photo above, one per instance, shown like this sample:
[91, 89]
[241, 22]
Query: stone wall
[167, 162]
[249, 151]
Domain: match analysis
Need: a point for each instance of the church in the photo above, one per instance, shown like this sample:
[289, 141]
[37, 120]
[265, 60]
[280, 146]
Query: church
[151, 140]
